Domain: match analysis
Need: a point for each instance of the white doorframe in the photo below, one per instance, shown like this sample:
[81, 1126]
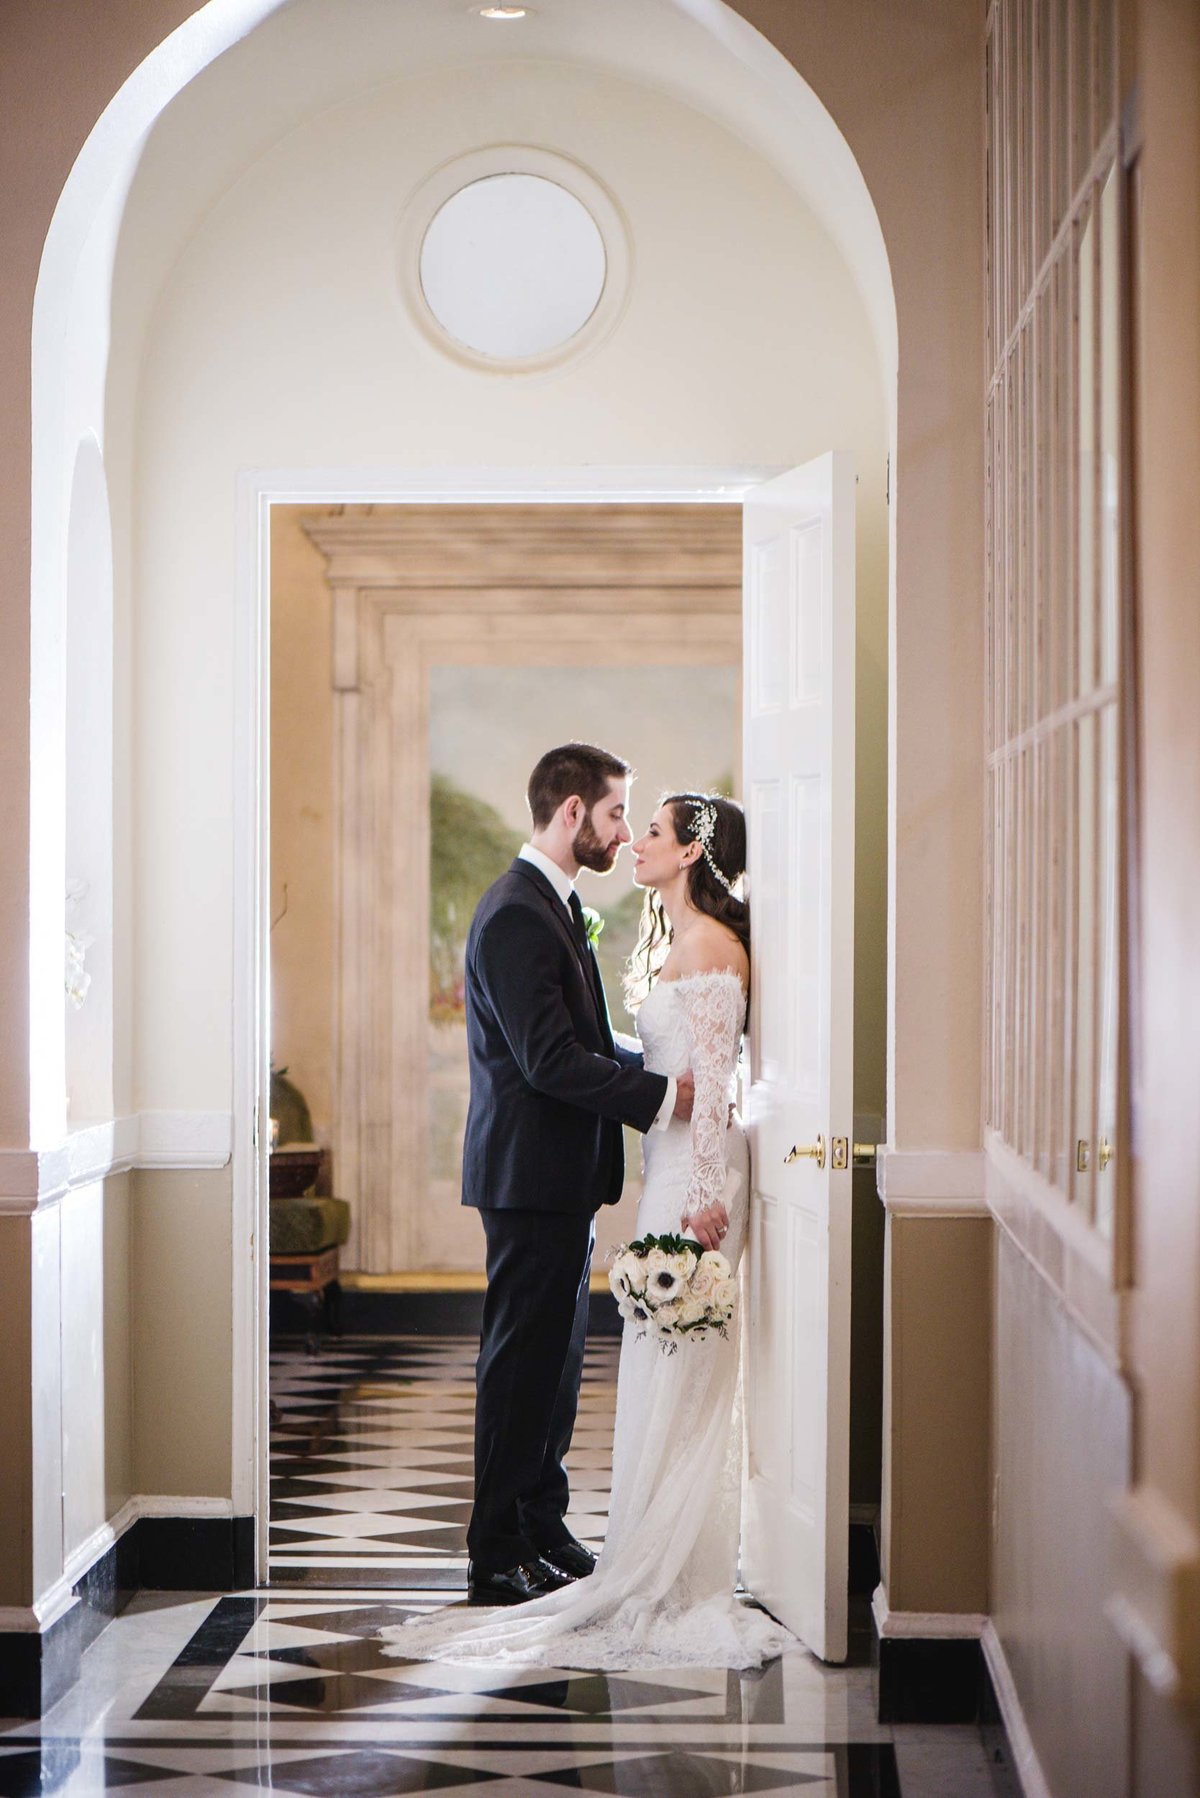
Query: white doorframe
[257, 491]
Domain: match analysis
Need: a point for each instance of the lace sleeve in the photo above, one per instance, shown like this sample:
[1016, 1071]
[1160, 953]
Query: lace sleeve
[714, 1007]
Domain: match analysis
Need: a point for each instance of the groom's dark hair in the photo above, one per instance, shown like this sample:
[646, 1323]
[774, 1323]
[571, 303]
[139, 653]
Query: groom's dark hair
[572, 769]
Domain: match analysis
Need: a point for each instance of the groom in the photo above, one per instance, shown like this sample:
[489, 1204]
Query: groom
[550, 1090]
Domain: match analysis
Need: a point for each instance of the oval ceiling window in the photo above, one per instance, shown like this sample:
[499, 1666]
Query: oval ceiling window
[512, 266]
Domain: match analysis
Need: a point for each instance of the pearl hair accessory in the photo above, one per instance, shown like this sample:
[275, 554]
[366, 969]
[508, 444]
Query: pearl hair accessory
[703, 826]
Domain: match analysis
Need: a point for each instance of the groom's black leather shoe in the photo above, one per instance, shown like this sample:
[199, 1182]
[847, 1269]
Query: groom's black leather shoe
[515, 1585]
[571, 1557]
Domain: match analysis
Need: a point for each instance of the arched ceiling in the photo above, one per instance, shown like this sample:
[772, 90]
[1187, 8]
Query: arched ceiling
[296, 58]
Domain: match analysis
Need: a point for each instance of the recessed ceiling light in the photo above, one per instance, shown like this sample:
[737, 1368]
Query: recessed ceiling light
[503, 12]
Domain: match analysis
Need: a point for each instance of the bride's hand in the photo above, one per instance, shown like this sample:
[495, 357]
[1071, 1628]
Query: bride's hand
[708, 1226]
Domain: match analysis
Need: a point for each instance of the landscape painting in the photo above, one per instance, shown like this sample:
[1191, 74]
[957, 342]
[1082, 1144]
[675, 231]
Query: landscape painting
[487, 727]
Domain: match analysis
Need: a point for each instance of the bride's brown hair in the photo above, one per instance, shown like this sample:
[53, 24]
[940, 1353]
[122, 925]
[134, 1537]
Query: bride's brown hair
[727, 847]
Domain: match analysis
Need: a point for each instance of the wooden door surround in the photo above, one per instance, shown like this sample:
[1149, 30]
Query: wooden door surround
[419, 586]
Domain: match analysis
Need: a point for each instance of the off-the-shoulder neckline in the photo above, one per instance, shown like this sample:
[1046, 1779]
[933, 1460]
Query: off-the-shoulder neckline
[703, 974]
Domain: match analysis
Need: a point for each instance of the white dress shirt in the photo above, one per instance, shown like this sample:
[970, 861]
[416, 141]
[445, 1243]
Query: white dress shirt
[564, 886]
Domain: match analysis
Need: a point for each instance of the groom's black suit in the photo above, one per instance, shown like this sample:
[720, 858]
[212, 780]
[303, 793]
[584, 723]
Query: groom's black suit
[550, 1091]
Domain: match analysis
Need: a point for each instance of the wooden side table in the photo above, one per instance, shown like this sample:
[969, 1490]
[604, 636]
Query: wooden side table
[313, 1278]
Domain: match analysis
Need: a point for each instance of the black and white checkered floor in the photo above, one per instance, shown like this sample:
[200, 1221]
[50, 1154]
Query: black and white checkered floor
[287, 1689]
[371, 1459]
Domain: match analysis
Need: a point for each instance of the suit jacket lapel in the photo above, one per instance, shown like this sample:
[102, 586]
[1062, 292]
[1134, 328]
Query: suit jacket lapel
[562, 918]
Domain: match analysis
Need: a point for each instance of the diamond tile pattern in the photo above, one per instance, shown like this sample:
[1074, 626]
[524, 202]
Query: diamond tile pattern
[288, 1690]
[371, 1459]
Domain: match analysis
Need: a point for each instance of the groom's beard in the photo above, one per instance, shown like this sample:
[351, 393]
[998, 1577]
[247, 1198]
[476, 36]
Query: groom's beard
[590, 852]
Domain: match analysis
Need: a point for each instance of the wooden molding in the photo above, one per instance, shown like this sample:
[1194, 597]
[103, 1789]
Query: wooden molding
[624, 549]
[418, 586]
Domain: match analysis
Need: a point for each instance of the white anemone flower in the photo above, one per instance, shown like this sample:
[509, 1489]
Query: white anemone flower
[628, 1267]
[663, 1284]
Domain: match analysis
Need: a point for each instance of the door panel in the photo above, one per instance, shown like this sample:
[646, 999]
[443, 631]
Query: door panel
[799, 727]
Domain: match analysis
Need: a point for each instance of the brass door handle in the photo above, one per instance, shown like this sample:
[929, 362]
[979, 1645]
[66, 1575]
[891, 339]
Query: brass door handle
[814, 1152]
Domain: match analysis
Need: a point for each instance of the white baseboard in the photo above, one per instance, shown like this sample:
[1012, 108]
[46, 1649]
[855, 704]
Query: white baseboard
[1026, 1765]
[56, 1600]
[916, 1626]
[36, 1619]
[165, 1504]
[85, 1556]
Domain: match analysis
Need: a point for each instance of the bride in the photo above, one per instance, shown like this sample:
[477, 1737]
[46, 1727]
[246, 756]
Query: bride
[663, 1588]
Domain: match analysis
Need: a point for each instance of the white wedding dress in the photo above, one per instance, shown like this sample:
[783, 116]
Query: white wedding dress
[663, 1589]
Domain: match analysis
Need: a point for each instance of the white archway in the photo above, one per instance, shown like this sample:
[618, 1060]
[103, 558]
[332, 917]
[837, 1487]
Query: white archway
[728, 72]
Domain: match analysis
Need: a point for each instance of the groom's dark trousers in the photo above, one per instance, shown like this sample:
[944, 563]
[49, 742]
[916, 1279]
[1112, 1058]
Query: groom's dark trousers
[543, 1151]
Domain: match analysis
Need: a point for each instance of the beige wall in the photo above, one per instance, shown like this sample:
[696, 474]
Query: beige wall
[935, 1429]
[182, 1342]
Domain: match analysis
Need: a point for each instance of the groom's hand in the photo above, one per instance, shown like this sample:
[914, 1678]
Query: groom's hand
[685, 1094]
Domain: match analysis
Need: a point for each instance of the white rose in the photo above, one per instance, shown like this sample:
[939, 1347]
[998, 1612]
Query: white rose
[725, 1295]
[703, 1282]
[691, 1310]
[655, 1260]
[667, 1316]
[714, 1259]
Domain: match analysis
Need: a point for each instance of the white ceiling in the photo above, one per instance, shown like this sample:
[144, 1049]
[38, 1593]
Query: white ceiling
[304, 56]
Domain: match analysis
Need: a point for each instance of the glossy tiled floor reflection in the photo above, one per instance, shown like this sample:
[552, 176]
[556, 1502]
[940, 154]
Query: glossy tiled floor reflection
[287, 1689]
[371, 1459]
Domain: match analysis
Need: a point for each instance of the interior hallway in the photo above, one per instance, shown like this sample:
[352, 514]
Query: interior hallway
[287, 1687]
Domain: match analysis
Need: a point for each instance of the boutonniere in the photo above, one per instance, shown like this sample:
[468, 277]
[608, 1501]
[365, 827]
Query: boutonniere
[593, 923]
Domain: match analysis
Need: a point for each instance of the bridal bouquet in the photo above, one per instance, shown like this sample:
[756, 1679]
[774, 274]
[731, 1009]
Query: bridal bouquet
[673, 1288]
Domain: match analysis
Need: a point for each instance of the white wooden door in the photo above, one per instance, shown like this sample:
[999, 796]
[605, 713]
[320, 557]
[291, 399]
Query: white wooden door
[799, 787]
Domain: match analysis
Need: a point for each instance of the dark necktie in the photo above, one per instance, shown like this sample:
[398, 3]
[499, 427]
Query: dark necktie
[588, 959]
[576, 910]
